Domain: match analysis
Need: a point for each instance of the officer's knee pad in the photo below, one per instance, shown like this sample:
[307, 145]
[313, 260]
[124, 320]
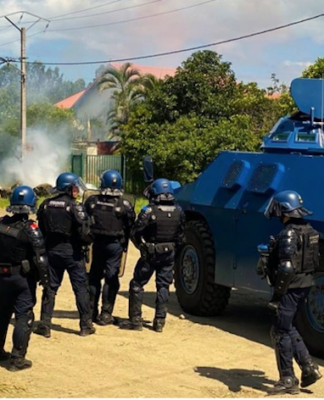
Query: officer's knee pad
[31, 318]
[26, 321]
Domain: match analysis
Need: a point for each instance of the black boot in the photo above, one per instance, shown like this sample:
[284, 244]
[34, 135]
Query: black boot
[43, 330]
[135, 324]
[158, 324]
[310, 374]
[19, 364]
[105, 317]
[4, 355]
[286, 385]
[87, 328]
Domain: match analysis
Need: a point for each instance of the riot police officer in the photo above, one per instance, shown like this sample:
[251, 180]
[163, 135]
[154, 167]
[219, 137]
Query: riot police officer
[66, 228]
[23, 262]
[158, 234]
[293, 260]
[113, 217]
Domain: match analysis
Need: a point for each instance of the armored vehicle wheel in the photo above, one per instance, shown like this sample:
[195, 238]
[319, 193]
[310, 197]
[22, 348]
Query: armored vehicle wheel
[310, 319]
[194, 274]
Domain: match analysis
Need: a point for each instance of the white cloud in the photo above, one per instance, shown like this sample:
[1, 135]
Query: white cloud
[303, 64]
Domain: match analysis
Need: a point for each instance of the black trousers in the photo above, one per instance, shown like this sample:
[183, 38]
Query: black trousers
[18, 296]
[286, 339]
[162, 265]
[106, 258]
[73, 263]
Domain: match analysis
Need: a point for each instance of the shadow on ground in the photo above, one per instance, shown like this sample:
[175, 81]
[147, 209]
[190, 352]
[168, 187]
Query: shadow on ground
[235, 378]
[245, 316]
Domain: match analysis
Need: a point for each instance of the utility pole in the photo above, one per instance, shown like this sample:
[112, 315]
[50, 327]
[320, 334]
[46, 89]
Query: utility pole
[23, 93]
[23, 76]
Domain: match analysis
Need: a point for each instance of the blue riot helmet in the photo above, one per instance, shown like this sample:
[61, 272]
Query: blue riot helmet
[66, 181]
[287, 203]
[22, 201]
[111, 182]
[161, 186]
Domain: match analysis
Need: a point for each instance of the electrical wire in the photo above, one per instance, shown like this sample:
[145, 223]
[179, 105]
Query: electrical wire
[133, 19]
[87, 9]
[117, 22]
[109, 12]
[70, 13]
[250, 35]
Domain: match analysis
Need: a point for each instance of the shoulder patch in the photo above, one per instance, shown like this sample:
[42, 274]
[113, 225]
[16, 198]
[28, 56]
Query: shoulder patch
[33, 225]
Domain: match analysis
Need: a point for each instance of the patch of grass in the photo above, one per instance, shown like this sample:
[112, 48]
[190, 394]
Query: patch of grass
[4, 203]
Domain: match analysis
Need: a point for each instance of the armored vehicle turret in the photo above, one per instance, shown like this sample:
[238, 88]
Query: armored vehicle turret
[225, 221]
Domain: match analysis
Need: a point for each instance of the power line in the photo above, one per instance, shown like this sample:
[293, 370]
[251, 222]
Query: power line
[117, 22]
[189, 48]
[70, 13]
[108, 12]
[133, 19]
[87, 9]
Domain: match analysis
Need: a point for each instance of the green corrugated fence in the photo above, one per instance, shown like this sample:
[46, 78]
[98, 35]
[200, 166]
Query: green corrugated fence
[90, 167]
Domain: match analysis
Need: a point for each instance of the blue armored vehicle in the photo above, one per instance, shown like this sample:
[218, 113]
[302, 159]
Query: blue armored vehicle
[225, 221]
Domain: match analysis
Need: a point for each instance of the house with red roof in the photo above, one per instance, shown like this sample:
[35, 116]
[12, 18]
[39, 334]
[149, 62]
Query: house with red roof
[91, 106]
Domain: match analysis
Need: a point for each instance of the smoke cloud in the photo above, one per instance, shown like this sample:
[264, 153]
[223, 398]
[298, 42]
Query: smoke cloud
[47, 156]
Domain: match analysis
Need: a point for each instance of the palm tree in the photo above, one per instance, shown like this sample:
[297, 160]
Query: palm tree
[125, 83]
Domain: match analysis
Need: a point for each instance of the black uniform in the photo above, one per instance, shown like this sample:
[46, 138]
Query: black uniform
[66, 228]
[113, 218]
[158, 233]
[23, 263]
[294, 259]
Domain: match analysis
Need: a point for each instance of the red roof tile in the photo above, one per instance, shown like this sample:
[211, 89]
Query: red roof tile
[159, 72]
[70, 101]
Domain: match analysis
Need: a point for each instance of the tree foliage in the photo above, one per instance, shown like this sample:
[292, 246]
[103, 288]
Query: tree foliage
[315, 70]
[45, 116]
[44, 85]
[187, 119]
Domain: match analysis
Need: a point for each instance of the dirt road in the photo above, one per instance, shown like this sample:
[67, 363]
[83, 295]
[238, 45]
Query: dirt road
[229, 356]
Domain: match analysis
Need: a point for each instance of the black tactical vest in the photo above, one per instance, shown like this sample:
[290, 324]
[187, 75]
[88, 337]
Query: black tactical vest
[163, 225]
[14, 242]
[57, 216]
[107, 213]
[307, 257]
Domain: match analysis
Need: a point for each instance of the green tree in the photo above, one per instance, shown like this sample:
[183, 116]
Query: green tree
[315, 70]
[181, 150]
[46, 116]
[43, 84]
[203, 84]
[185, 120]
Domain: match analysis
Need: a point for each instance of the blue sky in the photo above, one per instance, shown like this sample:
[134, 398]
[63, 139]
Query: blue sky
[285, 52]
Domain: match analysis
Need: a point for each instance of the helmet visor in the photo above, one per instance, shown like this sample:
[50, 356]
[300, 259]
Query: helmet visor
[77, 183]
[271, 209]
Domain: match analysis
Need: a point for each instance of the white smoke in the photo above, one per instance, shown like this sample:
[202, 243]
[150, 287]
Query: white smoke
[47, 156]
